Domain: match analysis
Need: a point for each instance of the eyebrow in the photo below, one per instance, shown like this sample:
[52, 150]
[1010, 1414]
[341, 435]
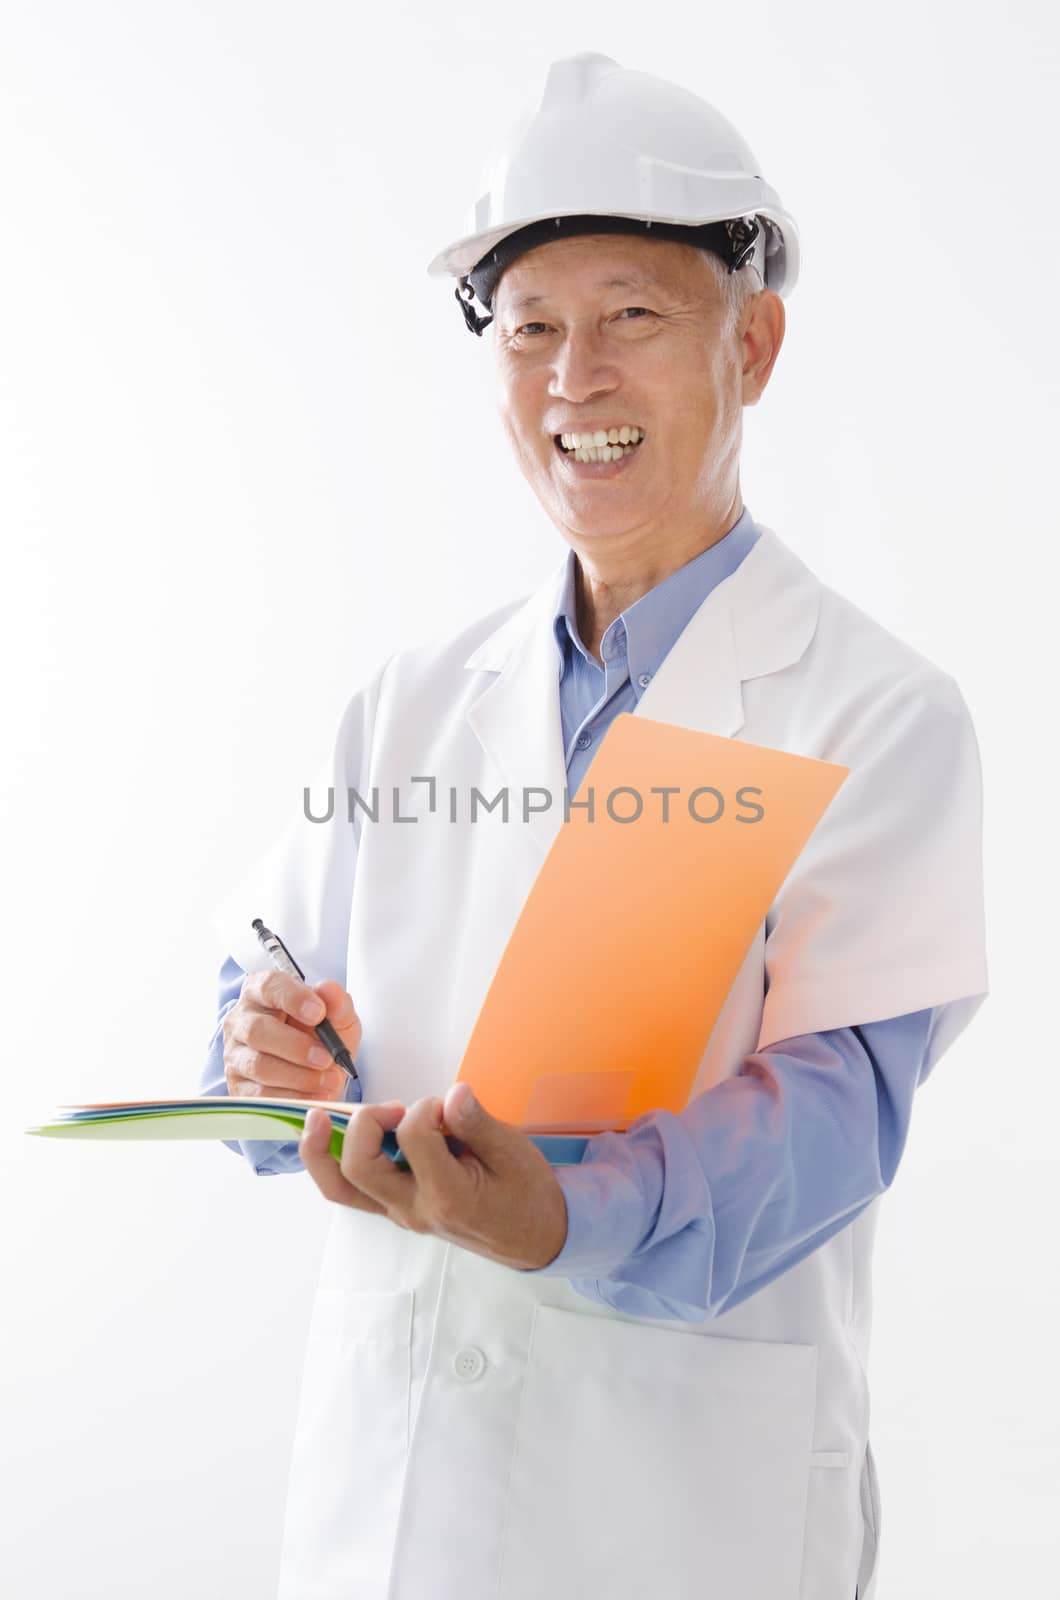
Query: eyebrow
[521, 301]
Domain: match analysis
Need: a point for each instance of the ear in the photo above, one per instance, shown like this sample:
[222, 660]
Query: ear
[762, 338]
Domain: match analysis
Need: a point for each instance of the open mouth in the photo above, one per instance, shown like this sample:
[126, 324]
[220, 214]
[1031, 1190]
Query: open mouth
[601, 445]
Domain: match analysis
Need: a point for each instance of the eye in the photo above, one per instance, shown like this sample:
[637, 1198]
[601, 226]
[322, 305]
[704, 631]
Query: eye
[636, 311]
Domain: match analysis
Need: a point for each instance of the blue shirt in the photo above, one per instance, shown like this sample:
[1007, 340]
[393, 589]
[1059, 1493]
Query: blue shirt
[685, 1215]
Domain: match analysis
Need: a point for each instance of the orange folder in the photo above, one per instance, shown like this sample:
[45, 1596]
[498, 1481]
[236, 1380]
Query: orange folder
[614, 976]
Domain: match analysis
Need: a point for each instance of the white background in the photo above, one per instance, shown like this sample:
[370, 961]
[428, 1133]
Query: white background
[249, 450]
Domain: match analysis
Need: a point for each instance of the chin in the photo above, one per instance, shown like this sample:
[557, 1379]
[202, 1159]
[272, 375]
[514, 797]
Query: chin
[597, 529]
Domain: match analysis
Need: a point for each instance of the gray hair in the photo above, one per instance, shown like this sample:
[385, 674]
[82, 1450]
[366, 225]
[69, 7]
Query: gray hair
[734, 288]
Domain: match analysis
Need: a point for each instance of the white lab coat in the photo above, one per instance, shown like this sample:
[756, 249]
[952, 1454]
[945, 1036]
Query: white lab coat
[467, 1432]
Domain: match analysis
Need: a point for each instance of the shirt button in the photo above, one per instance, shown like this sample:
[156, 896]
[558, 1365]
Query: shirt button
[469, 1364]
[644, 679]
[583, 741]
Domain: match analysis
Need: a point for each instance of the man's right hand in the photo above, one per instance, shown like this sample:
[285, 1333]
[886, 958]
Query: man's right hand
[270, 1048]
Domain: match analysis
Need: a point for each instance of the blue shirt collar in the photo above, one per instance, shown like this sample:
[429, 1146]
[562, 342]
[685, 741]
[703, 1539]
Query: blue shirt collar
[647, 629]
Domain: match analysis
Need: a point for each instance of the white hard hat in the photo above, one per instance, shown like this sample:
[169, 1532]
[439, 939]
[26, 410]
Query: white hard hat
[612, 150]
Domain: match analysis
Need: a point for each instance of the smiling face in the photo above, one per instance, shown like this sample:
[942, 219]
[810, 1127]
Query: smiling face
[601, 332]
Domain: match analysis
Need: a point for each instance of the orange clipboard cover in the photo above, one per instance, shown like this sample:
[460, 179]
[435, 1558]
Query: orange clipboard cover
[637, 923]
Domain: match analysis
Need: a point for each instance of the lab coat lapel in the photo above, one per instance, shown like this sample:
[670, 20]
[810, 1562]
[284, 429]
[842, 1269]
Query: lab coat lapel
[516, 717]
[757, 621]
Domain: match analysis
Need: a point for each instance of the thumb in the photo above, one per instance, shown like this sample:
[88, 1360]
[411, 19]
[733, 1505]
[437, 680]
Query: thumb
[471, 1122]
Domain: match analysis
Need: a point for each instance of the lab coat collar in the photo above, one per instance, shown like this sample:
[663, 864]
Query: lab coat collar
[758, 620]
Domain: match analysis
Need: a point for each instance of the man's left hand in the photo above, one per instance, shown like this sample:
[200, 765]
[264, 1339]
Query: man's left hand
[498, 1198]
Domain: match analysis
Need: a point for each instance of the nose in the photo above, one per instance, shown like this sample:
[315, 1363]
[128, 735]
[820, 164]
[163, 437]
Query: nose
[581, 369]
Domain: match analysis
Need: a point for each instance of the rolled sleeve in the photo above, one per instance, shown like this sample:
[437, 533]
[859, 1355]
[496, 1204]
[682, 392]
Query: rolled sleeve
[687, 1215]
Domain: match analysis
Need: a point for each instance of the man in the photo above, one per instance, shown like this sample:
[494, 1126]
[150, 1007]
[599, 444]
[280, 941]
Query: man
[644, 1374]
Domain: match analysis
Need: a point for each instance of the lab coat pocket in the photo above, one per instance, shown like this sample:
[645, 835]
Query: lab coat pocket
[649, 1461]
[350, 1447]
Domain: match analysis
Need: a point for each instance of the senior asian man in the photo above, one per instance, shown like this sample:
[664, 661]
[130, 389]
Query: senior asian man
[645, 1373]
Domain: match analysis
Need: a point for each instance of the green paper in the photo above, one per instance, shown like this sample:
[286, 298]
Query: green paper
[206, 1123]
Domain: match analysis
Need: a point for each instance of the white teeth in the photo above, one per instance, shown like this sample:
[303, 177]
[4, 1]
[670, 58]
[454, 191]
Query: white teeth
[605, 452]
[601, 437]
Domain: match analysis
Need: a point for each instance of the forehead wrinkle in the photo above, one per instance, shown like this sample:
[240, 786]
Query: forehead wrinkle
[626, 281]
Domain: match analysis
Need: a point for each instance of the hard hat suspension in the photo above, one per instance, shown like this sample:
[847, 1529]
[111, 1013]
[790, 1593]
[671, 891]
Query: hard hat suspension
[733, 241]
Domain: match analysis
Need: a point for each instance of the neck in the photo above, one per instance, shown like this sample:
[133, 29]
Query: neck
[607, 582]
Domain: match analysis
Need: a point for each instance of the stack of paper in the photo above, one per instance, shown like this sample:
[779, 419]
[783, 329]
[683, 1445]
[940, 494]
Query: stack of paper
[225, 1117]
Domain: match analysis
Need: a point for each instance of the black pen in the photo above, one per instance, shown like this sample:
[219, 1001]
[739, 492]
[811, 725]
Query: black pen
[284, 961]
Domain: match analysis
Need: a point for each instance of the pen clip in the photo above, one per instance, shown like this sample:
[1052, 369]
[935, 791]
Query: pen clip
[276, 948]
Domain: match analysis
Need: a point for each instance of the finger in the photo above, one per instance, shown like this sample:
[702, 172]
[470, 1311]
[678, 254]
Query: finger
[366, 1167]
[273, 1036]
[278, 991]
[269, 1075]
[442, 1180]
[314, 1148]
[341, 1013]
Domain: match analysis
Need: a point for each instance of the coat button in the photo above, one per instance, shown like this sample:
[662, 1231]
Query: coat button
[469, 1364]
